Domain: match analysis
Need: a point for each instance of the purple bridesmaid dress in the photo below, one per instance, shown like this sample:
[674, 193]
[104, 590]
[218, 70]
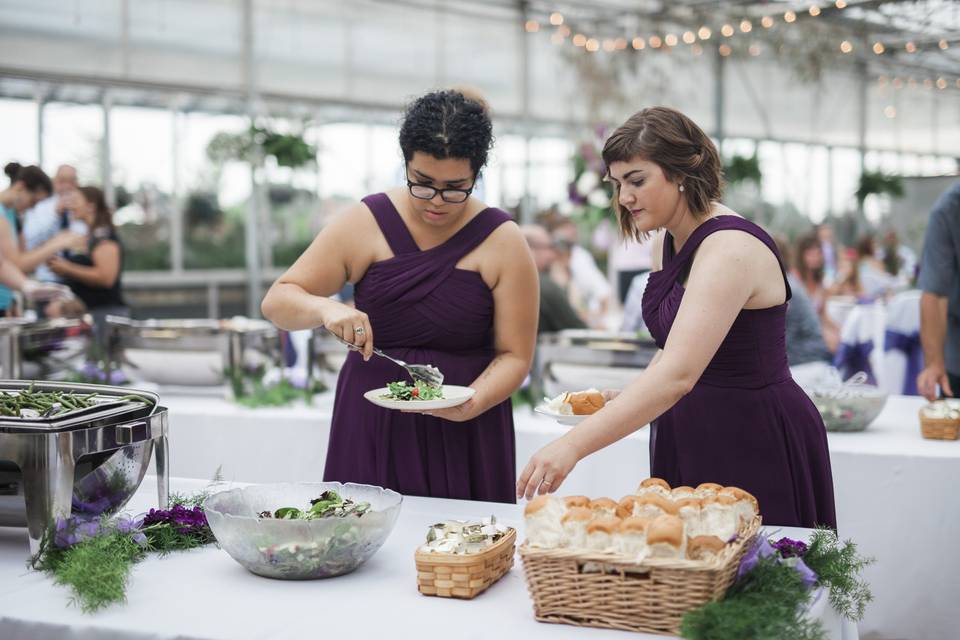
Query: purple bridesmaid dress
[746, 422]
[423, 310]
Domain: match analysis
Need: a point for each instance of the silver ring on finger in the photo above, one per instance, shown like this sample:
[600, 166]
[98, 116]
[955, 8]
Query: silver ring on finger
[359, 331]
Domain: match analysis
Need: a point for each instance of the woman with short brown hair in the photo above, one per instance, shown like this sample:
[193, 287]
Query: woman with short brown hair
[718, 395]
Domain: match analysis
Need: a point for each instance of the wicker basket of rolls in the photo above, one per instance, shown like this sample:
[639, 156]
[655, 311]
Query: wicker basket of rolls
[639, 564]
[940, 420]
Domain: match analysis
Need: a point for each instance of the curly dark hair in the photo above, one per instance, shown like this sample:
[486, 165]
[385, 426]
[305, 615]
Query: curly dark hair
[447, 124]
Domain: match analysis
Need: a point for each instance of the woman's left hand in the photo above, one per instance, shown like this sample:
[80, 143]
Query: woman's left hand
[57, 264]
[460, 413]
[547, 469]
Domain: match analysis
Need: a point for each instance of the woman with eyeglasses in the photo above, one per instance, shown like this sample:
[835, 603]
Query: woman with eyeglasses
[440, 278]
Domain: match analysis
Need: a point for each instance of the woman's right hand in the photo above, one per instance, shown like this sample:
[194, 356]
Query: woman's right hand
[350, 324]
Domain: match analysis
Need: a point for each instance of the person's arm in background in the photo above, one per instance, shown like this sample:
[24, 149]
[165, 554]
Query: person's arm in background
[938, 272]
[103, 273]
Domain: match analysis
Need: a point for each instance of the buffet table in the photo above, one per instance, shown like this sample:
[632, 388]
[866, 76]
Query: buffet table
[205, 594]
[894, 490]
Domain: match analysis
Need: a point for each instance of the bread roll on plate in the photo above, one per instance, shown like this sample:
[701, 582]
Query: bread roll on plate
[585, 403]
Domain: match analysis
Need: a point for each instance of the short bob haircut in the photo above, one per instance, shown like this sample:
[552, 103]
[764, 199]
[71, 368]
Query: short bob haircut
[679, 147]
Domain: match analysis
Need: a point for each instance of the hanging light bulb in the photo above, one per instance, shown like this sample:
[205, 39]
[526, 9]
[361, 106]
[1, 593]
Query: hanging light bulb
[789, 16]
[911, 47]
[670, 40]
[556, 19]
[814, 11]
[564, 30]
[689, 37]
[878, 48]
[638, 43]
[580, 40]
[841, 4]
[532, 26]
[592, 45]
[846, 47]
[609, 45]
[766, 21]
[724, 50]
[746, 26]
[941, 83]
[726, 30]
[704, 33]
[890, 111]
[620, 44]
[655, 42]
[943, 44]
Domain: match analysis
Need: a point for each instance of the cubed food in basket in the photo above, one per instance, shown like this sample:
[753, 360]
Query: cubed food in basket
[464, 575]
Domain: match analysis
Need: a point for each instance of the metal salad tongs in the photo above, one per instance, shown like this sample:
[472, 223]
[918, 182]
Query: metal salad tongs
[419, 372]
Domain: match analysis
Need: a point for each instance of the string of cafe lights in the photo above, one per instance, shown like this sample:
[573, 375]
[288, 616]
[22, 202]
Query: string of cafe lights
[562, 32]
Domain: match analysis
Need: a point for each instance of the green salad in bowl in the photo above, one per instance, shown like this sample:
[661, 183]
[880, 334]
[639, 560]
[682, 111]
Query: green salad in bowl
[342, 527]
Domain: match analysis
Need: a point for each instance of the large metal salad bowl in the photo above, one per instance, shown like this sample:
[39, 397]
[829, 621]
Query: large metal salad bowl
[300, 549]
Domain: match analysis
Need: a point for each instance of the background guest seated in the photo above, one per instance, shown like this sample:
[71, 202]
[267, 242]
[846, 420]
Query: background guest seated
[556, 313]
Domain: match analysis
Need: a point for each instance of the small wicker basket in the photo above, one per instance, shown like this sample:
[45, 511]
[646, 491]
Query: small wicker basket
[650, 597]
[939, 428]
[465, 576]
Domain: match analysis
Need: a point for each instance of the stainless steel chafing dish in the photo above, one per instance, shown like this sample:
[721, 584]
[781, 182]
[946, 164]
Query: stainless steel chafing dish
[325, 357]
[84, 461]
[40, 348]
[590, 359]
[192, 352]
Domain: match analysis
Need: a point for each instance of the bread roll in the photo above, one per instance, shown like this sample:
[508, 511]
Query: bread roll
[542, 521]
[603, 507]
[651, 505]
[574, 523]
[600, 533]
[689, 510]
[679, 493]
[708, 489]
[704, 547]
[632, 537]
[666, 537]
[576, 501]
[654, 485]
[746, 505]
[718, 517]
[585, 403]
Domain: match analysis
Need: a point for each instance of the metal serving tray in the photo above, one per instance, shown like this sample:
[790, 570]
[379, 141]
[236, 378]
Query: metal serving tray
[109, 408]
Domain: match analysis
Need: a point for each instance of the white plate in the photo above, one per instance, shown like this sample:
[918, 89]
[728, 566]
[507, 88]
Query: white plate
[559, 417]
[452, 396]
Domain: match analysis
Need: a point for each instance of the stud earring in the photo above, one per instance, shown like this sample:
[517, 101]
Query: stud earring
[681, 188]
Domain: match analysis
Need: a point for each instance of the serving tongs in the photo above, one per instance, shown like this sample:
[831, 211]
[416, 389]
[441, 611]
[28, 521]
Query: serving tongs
[426, 373]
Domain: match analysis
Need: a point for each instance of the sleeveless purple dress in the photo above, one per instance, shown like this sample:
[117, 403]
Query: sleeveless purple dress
[423, 310]
[746, 423]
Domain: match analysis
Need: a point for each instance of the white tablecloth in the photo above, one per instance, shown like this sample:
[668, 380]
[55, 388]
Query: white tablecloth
[895, 492]
[205, 594]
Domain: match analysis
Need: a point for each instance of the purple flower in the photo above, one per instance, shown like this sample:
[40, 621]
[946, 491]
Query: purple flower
[790, 548]
[140, 538]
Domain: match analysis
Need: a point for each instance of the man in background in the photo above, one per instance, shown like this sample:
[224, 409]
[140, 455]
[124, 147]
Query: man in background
[940, 301]
[49, 217]
[556, 314]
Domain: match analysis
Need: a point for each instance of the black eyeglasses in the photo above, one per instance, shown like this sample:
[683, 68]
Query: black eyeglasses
[426, 192]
